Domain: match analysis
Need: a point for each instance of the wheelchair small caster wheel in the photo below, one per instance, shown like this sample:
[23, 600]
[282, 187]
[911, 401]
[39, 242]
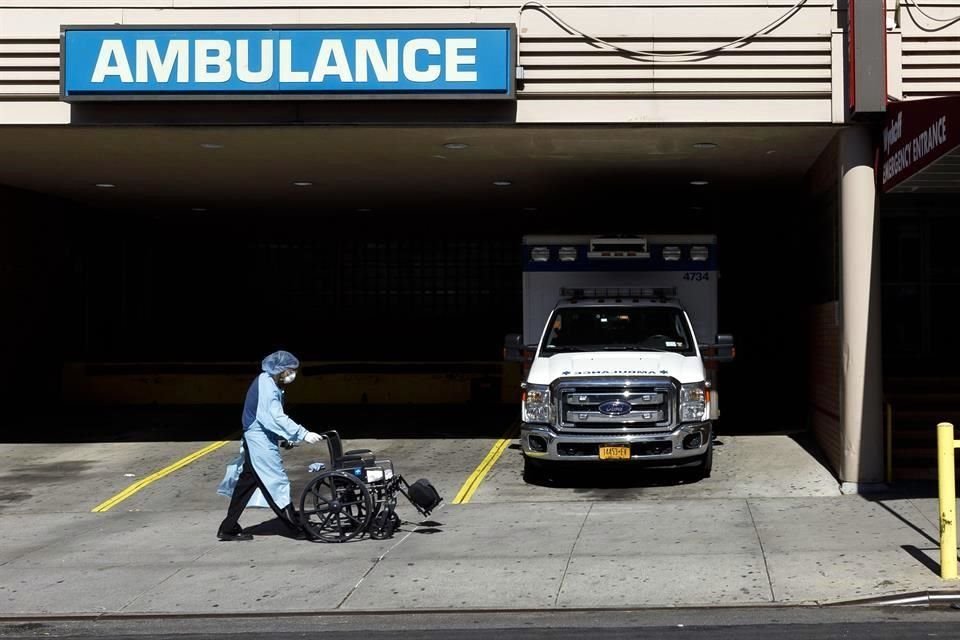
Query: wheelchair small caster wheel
[384, 525]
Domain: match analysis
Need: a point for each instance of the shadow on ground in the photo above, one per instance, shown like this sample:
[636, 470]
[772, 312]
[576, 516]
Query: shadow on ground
[272, 527]
[904, 489]
[591, 478]
[276, 527]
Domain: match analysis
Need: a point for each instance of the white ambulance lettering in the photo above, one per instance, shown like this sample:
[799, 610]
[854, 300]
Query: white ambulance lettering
[148, 59]
[287, 74]
[454, 59]
[368, 53]
[244, 73]
[215, 54]
[112, 61]
[340, 67]
[410, 69]
[421, 61]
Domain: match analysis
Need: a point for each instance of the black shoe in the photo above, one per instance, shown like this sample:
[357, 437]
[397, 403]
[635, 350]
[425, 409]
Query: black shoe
[294, 524]
[291, 517]
[235, 536]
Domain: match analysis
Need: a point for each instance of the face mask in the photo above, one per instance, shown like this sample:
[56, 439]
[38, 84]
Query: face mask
[290, 377]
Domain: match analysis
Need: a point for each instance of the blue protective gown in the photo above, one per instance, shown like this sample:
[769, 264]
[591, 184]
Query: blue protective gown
[264, 425]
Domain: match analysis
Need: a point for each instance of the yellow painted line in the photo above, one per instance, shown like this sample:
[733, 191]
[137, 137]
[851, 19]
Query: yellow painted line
[473, 481]
[140, 484]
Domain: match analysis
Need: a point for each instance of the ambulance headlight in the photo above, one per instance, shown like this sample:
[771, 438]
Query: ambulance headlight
[692, 402]
[536, 404]
[567, 254]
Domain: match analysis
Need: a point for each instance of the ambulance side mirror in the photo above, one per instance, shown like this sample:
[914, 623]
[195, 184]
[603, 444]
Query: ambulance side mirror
[513, 347]
[723, 350]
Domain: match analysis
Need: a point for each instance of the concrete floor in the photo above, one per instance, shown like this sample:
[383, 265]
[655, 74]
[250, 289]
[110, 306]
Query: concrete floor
[769, 527]
[743, 467]
[76, 477]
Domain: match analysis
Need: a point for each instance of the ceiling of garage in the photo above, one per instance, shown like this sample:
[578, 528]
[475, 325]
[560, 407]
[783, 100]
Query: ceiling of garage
[381, 167]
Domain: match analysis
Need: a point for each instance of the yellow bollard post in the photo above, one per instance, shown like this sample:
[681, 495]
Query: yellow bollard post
[948, 501]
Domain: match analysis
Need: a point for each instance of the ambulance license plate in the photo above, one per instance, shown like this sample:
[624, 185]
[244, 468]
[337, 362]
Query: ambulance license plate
[615, 452]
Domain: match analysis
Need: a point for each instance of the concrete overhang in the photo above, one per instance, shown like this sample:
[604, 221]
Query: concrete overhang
[350, 167]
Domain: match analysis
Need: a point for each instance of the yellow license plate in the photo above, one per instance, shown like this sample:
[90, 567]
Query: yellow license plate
[615, 453]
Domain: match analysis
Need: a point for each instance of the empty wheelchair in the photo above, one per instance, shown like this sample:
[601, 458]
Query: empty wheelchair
[358, 496]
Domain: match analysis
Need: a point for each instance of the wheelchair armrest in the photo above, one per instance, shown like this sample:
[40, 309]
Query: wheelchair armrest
[357, 452]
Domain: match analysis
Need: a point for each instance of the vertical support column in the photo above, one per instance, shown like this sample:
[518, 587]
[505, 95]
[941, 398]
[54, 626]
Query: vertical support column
[862, 383]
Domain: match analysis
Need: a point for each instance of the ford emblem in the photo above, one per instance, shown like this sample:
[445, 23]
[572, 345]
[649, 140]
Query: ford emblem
[615, 408]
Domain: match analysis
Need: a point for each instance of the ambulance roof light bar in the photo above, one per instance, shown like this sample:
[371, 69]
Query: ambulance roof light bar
[619, 247]
[603, 293]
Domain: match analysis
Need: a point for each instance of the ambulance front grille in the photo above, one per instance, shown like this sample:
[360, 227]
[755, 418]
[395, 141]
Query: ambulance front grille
[621, 405]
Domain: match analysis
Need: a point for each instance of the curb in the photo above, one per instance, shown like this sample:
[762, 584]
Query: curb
[330, 613]
[913, 598]
[916, 598]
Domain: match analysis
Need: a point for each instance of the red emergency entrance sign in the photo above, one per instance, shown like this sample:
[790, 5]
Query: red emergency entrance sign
[916, 135]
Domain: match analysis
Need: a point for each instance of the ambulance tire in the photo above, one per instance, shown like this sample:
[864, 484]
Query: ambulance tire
[534, 471]
[706, 464]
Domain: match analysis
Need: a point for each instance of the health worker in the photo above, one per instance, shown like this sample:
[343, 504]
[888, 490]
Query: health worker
[259, 465]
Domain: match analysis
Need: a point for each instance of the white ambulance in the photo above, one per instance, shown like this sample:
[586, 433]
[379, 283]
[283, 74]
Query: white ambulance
[620, 329]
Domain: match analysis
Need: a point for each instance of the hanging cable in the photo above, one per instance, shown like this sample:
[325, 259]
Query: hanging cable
[944, 22]
[701, 53]
[927, 15]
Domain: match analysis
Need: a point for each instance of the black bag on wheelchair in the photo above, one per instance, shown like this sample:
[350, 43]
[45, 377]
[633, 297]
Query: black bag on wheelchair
[424, 495]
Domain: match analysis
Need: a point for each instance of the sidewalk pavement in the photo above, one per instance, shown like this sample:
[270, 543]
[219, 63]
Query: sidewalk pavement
[641, 553]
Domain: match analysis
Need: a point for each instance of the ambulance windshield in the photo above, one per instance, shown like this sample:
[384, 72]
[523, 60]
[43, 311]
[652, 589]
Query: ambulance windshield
[618, 329]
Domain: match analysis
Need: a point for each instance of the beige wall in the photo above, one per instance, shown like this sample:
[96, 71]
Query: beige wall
[923, 50]
[792, 75]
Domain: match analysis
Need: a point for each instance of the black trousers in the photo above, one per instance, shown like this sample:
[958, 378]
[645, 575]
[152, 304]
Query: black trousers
[248, 483]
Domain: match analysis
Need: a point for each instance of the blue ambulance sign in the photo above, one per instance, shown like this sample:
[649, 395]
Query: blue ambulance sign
[450, 62]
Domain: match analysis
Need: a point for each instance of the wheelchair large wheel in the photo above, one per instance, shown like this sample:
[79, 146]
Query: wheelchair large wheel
[335, 507]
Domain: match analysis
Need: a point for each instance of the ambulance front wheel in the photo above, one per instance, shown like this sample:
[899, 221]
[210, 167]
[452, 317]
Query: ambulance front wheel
[534, 470]
[706, 463]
